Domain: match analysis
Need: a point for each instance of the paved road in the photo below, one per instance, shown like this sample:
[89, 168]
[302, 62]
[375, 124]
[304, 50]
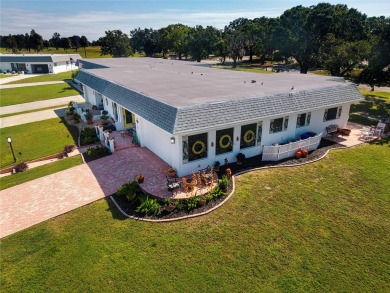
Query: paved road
[39, 104]
[9, 86]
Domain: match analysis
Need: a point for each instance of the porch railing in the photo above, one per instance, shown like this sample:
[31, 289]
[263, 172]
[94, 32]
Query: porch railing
[280, 152]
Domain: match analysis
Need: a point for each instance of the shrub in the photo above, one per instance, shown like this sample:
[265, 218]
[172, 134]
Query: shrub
[192, 203]
[217, 192]
[97, 152]
[129, 190]
[223, 182]
[241, 157]
[88, 115]
[21, 167]
[104, 117]
[104, 112]
[148, 206]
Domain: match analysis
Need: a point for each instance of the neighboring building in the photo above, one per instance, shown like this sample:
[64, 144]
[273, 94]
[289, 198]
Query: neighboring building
[191, 115]
[38, 63]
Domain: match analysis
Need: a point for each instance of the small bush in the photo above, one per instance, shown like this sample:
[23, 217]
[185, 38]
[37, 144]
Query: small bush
[223, 182]
[217, 192]
[104, 117]
[129, 190]
[148, 206]
[104, 112]
[21, 167]
[192, 203]
[97, 152]
[68, 149]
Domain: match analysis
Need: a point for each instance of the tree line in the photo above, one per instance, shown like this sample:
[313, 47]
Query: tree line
[36, 43]
[331, 37]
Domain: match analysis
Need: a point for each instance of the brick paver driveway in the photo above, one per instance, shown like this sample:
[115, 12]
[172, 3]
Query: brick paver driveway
[33, 202]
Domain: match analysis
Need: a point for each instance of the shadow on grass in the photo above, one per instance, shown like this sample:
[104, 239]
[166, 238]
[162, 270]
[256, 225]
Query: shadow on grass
[73, 130]
[116, 214]
[383, 141]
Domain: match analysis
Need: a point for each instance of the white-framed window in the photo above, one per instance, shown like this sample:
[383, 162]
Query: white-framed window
[332, 113]
[278, 124]
[303, 119]
[115, 110]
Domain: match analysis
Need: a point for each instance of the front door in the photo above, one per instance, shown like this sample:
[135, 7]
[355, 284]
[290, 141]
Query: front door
[128, 118]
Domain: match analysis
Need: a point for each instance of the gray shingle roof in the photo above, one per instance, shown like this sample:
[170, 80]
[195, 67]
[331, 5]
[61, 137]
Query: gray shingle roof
[175, 104]
[158, 113]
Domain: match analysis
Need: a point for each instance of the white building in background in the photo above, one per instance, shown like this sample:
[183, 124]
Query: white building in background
[192, 115]
[38, 63]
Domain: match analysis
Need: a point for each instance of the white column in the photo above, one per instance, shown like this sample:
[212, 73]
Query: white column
[112, 147]
[100, 132]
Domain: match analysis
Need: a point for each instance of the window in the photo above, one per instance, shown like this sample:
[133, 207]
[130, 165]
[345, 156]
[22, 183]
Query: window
[115, 110]
[248, 136]
[303, 119]
[197, 146]
[278, 125]
[224, 141]
[259, 132]
[332, 113]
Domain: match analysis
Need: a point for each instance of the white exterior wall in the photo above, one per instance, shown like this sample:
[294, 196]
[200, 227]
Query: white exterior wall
[4, 66]
[60, 67]
[89, 95]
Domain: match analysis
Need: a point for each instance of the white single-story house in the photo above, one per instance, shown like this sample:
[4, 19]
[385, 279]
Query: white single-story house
[38, 63]
[192, 115]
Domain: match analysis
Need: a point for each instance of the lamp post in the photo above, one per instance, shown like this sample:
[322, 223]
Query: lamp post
[9, 139]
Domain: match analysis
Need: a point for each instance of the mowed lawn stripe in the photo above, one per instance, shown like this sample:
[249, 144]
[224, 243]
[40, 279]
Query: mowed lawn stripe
[14, 96]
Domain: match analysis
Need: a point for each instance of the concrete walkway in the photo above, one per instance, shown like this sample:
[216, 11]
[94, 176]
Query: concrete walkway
[40, 104]
[16, 77]
[32, 117]
[9, 86]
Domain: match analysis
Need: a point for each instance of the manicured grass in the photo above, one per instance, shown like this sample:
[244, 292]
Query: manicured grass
[31, 111]
[5, 75]
[37, 172]
[34, 140]
[245, 68]
[320, 72]
[381, 95]
[322, 227]
[46, 77]
[13, 96]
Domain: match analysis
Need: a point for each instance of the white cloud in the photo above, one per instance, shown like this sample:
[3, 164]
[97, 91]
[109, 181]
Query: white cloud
[93, 24]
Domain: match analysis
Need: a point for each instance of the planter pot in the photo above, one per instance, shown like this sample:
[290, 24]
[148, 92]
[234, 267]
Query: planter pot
[169, 208]
[172, 174]
[140, 179]
[202, 202]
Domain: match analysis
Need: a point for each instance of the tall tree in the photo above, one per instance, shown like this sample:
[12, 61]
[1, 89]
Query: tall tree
[65, 44]
[75, 42]
[145, 40]
[116, 44]
[55, 40]
[203, 42]
[36, 41]
[174, 37]
[84, 43]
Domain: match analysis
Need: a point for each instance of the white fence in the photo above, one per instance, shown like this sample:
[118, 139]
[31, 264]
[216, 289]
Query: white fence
[280, 152]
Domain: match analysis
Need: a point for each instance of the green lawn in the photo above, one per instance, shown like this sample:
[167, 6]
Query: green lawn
[41, 171]
[34, 140]
[46, 77]
[322, 227]
[13, 96]
[31, 111]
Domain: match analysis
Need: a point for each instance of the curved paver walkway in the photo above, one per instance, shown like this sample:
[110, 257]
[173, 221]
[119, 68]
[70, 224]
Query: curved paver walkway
[16, 77]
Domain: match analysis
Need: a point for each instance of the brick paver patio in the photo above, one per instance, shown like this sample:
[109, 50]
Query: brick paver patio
[33, 202]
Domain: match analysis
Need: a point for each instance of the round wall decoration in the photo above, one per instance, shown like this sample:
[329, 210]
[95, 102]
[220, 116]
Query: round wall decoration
[198, 147]
[225, 141]
[249, 136]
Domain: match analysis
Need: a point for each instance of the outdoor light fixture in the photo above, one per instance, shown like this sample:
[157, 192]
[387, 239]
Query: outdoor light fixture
[212, 144]
[136, 120]
[237, 138]
[172, 140]
[9, 140]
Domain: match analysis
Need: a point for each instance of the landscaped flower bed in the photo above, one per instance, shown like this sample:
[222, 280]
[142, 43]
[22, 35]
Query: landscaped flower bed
[94, 153]
[134, 202]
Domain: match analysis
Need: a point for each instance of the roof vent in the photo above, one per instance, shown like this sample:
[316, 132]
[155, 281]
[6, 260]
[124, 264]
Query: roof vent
[292, 87]
[262, 83]
[253, 81]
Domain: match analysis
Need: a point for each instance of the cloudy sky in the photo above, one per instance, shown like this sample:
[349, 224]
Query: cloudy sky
[93, 17]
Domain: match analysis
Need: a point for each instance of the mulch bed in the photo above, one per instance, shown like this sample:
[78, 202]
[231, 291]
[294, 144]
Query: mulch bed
[251, 163]
[88, 159]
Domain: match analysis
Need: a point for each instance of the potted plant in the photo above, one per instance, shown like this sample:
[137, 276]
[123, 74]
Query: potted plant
[140, 178]
[216, 165]
[169, 206]
[240, 158]
[201, 200]
[171, 172]
[104, 117]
